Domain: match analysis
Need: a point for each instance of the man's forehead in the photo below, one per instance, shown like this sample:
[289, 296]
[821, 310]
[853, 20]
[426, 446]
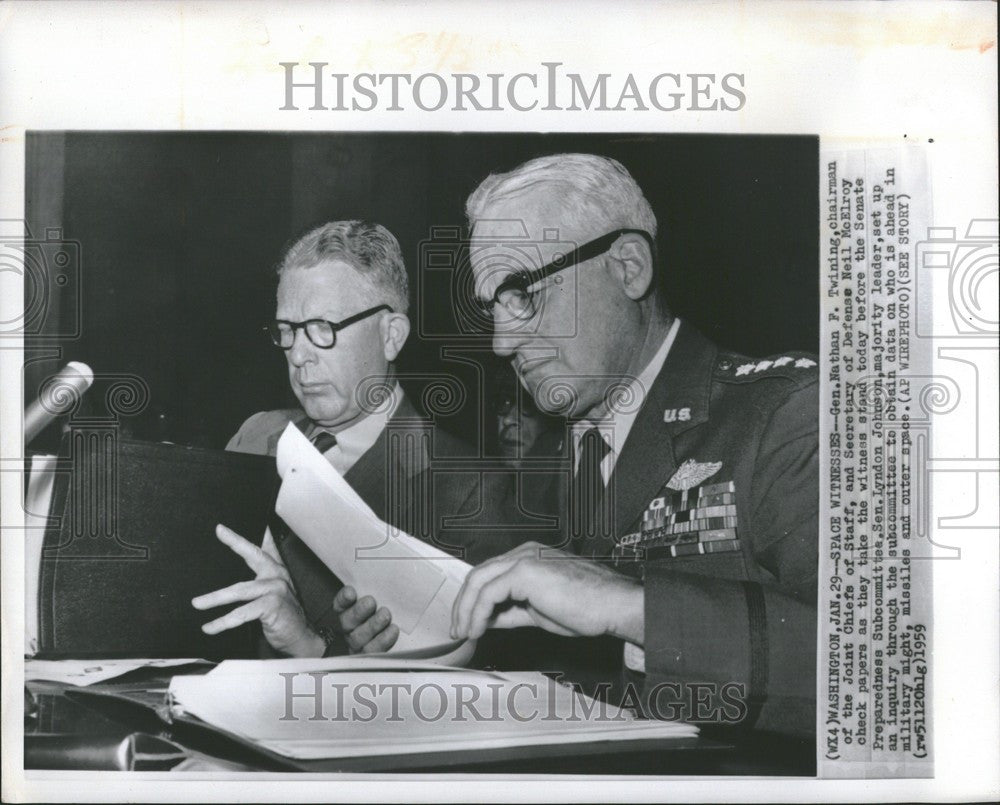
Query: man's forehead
[494, 232]
[527, 214]
[329, 284]
[336, 267]
[333, 273]
[494, 237]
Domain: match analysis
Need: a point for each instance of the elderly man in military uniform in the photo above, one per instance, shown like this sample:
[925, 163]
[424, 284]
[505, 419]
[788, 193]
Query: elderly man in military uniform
[691, 488]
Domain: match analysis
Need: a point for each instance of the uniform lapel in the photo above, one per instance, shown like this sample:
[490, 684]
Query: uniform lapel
[648, 460]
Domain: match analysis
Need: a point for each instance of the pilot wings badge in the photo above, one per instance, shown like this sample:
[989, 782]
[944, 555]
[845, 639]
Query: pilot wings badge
[692, 473]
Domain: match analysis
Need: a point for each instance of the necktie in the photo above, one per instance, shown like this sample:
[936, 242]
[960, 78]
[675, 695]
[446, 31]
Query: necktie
[323, 441]
[314, 584]
[590, 518]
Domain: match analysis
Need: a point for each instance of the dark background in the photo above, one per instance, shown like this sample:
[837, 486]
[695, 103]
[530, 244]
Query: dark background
[178, 234]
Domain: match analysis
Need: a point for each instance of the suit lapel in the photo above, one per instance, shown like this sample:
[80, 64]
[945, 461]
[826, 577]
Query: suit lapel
[393, 452]
[648, 460]
[368, 475]
[300, 420]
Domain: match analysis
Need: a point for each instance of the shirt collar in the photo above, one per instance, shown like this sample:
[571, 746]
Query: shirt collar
[356, 440]
[615, 428]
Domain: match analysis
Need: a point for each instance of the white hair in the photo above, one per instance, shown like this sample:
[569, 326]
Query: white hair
[595, 189]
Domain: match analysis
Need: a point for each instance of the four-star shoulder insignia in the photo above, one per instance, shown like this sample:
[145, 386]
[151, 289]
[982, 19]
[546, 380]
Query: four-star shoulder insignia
[748, 370]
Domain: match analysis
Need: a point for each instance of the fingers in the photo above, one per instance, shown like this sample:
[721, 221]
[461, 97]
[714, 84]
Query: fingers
[504, 586]
[239, 616]
[257, 560]
[383, 641]
[268, 546]
[368, 628]
[468, 595]
[350, 619]
[360, 637]
[241, 591]
[477, 578]
[344, 599]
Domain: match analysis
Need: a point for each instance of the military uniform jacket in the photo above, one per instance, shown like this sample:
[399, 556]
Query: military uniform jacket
[403, 480]
[713, 501]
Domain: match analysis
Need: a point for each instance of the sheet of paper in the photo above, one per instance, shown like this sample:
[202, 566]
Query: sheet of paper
[349, 707]
[415, 581]
[90, 672]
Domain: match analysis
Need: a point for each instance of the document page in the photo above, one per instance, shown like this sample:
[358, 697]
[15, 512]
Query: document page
[417, 582]
[357, 706]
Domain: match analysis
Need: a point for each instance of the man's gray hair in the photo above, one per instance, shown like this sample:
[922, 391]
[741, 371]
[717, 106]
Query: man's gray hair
[596, 190]
[369, 248]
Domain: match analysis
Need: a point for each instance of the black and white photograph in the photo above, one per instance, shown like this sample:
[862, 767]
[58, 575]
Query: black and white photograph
[580, 369]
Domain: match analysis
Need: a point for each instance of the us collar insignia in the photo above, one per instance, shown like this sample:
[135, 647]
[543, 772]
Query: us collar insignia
[692, 473]
[677, 415]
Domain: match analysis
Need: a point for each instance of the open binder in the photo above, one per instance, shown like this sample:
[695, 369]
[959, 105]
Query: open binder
[130, 540]
[240, 711]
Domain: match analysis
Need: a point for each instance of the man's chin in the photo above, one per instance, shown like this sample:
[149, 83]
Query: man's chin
[323, 414]
[554, 397]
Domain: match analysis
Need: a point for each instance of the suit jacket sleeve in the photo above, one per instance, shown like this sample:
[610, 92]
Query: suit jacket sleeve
[753, 643]
[247, 439]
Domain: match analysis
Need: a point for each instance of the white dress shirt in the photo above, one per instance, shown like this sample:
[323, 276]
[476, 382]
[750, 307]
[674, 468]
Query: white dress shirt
[356, 440]
[616, 426]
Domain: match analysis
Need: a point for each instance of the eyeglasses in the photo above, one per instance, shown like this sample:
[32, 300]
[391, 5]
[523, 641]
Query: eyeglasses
[513, 295]
[320, 332]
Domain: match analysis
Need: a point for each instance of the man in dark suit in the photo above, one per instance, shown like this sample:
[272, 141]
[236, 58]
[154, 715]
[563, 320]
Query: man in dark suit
[341, 319]
[691, 487]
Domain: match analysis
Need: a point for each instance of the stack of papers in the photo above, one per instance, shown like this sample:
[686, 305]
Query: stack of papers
[417, 582]
[361, 706]
[90, 672]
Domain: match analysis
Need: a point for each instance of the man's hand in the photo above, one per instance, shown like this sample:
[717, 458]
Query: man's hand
[534, 585]
[368, 627]
[270, 599]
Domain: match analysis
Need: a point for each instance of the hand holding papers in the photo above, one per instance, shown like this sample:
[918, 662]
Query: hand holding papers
[367, 627]
[416, 582]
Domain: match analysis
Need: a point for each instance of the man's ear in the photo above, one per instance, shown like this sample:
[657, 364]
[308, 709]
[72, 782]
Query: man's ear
[395, 329]
[632, 266]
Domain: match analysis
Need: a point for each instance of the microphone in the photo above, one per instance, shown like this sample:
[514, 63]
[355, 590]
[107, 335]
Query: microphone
[59, 395]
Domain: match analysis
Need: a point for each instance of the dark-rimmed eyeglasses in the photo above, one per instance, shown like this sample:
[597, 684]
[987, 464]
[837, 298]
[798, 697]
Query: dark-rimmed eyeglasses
[320, 332]
[513, 293]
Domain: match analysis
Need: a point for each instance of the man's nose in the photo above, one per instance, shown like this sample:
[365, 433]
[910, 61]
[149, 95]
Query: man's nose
[302, 351]
[510, 417]
[506, 337]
